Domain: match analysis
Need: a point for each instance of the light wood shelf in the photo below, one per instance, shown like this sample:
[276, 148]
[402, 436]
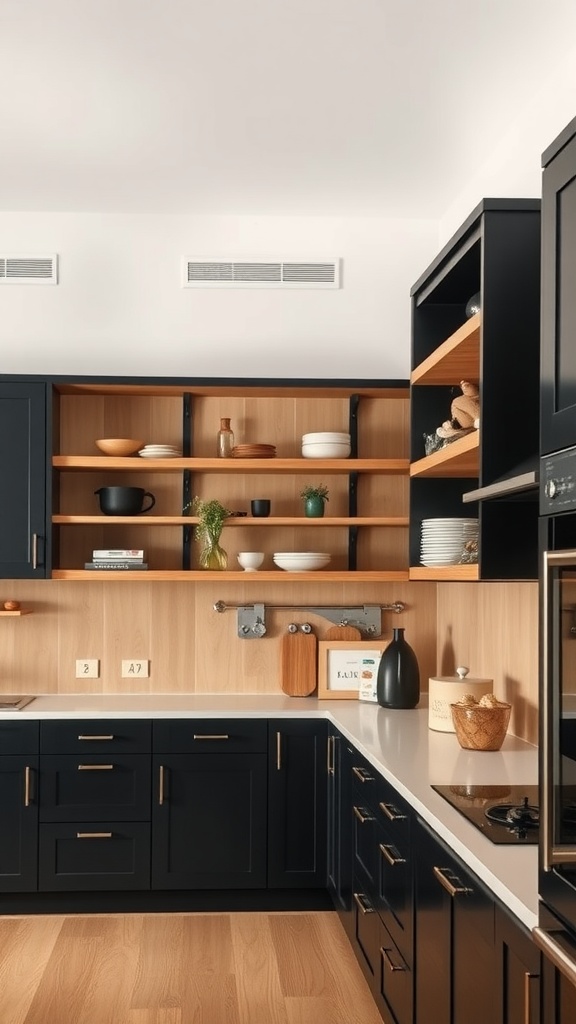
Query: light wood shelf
[97, 462]
[230, 576]
[18, 611]
[457, 358]
[145, 520]
[443, 573]
[460, 458]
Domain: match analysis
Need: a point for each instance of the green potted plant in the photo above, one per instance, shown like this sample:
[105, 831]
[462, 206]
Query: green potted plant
[314, 500]
[211, 518]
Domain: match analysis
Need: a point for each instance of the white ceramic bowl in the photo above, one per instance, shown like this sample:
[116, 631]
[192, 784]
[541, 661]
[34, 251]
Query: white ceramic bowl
[326, 450]
[325, 435]
[250, 560]
[301, 561]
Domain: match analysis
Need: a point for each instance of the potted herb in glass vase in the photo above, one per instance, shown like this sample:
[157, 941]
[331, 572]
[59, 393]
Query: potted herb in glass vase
[211, 518]
[314, 500]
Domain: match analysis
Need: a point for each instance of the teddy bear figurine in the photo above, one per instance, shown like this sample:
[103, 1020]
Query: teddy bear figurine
[465, 413]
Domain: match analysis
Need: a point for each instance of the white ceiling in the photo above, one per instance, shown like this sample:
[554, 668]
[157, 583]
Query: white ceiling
[266, 107]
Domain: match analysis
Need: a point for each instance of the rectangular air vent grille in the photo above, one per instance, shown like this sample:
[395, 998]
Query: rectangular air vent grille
[201, 272]
[28, 269]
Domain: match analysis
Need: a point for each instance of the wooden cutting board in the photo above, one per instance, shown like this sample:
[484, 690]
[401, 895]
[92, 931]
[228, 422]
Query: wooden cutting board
[343, 633]
[298, 664]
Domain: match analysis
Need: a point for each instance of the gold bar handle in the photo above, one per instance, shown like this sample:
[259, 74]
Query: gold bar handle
[211, 736]
[95, 767]
[389, 961]
[278, 751]
[27, 788]
[528, 978]
[453, 885]
[391, 854]
[161, 785]
[93, 835]
[363, 903]
[362, 774]
[330, 755]
[87, 736]
[554, 948]
[392, 812]
[34, 550]
[362, 814]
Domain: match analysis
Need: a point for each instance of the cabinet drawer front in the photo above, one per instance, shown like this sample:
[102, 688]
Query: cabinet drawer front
[395, 980]
[18, 737]
[95, 736]
[366, 934]
[113, 787]
[395, 891]
[94, 856]
[210, 736]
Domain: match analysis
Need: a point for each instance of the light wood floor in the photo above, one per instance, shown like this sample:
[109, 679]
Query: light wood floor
[245, 968]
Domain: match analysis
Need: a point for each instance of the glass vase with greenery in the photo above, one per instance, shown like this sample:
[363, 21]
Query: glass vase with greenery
[211, 518]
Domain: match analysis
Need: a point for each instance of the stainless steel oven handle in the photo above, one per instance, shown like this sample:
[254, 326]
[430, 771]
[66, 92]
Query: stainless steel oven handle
[562, 958]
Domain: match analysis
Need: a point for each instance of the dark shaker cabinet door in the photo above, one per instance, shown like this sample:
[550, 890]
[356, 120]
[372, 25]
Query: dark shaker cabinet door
[18, 823]
[23, 471]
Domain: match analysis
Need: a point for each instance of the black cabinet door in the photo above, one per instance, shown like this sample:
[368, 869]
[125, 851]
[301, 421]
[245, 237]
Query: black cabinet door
[518, 974]
[297, 804]
[209, 821]
[339, 823]
[18, 823]
[23, 549]
[101, 787]
[558, 363]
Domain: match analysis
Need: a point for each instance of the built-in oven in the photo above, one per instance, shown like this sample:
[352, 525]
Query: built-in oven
[557, 701]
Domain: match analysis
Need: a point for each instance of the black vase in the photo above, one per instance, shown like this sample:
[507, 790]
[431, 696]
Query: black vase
[398, 683]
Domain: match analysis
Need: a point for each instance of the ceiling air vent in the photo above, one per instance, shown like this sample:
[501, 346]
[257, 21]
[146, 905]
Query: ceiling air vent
[28, 269]
[252, 272]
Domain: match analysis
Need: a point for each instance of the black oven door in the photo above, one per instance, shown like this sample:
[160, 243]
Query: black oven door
[558, 734]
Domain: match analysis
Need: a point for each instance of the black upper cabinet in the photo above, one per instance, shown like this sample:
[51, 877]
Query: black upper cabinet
[23, 552]
[558, 385]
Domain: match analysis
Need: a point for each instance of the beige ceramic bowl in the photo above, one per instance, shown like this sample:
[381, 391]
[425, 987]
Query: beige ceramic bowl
[479, 728]
[119, 446]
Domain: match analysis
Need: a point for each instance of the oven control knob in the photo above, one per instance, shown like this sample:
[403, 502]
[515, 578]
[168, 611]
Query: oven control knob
[551, 488]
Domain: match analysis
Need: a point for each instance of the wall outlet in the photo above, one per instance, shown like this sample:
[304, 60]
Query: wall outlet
[87, 668]
[135, 668]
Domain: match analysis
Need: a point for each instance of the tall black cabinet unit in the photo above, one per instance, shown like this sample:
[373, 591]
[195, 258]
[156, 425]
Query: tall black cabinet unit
[23, 553]
[558, 394]
[496, 254]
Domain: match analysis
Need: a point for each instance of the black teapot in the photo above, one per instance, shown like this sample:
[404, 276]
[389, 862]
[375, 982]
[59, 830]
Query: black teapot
[124, 501]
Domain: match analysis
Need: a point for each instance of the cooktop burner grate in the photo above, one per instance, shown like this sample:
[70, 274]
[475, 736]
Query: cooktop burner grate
[504, 814]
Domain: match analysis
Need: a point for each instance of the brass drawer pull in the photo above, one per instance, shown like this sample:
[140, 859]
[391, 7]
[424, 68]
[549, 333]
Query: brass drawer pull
[27, 787]
[389, 853]
[363, 903]
[93, 835]
[88, 737]
[392, 812]
[362, 774]
[95, 767]
[278, 751]
[362, 814]
[211, 736]
[453, 885]
[389, 962]
[161, 785]
[330, 752]
[34, 550]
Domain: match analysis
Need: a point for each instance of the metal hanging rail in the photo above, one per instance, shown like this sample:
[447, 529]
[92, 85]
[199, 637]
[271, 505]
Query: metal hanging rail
[367, 618]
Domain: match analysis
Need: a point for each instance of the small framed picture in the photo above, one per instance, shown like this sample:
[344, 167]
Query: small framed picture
[344, 668]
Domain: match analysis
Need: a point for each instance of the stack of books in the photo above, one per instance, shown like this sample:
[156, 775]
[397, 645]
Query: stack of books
[117, 559]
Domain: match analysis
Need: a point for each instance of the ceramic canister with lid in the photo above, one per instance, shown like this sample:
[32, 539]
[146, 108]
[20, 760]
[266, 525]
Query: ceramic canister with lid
[446, 690]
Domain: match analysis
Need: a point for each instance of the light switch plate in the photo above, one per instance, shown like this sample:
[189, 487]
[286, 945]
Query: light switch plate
[135, 668]
[87, 668]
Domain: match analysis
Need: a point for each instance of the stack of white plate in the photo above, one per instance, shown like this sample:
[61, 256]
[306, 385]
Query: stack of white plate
[326, 444]
[160, 451]
[443, 540]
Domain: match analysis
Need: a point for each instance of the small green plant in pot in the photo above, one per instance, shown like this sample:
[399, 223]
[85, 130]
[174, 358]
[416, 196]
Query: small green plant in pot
[314, 500]
[211, 518]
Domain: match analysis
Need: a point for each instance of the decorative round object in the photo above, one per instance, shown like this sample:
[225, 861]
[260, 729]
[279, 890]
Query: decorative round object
[11, 606]
[481, 727]
[314, 506]
[398, 682]
[473, 305]
[301, 561]
[250, 560]
[120, 447]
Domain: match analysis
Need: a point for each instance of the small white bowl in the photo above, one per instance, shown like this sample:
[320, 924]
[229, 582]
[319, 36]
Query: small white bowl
[325, 435]
[250, 560]
[326, 450]
[301, 561]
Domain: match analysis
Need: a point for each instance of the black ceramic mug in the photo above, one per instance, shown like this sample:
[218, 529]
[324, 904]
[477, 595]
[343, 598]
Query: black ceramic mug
[124, 501]
[260, 507]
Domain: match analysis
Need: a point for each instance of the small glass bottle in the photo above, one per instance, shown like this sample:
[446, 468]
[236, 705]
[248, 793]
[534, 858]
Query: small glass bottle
[225, 440]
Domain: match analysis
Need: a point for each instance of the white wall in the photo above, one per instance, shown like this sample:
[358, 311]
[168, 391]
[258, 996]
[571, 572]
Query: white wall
[120, 309]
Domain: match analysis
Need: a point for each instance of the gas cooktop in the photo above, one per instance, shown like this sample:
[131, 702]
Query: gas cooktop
[504, 814]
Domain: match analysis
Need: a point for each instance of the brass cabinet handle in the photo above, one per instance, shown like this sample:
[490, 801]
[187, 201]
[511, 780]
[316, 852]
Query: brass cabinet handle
[278, 751]
[453, 885]
[34, 550]
[363, 903]
[362, 774]
[93, 835]
[389, 961]
[161, 785]
[392, 812]
[95, 767]
[211, 736]
[362, 814]
[330, 754]
[27, 787]
[391, 854]
[89, 737]
[527, 996]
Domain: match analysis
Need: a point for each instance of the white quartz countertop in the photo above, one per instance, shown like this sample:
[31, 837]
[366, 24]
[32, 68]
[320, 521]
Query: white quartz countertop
[398, 744]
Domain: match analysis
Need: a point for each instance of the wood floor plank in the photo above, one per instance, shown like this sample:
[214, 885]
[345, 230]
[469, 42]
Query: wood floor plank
[157, 984]
[26, 945]
[301, 962]
[259, 991]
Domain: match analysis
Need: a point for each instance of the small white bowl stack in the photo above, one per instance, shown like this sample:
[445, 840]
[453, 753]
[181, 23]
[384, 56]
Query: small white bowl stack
[301, 561]
[326, 445]
[443, 540]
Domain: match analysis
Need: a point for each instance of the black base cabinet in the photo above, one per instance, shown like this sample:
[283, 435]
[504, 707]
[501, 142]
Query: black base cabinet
[18, 806]
[94, 856]
[339, 825]
[518, 973]
[297, 770]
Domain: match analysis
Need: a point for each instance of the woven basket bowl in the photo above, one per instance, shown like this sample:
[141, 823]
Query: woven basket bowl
[481, 728]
